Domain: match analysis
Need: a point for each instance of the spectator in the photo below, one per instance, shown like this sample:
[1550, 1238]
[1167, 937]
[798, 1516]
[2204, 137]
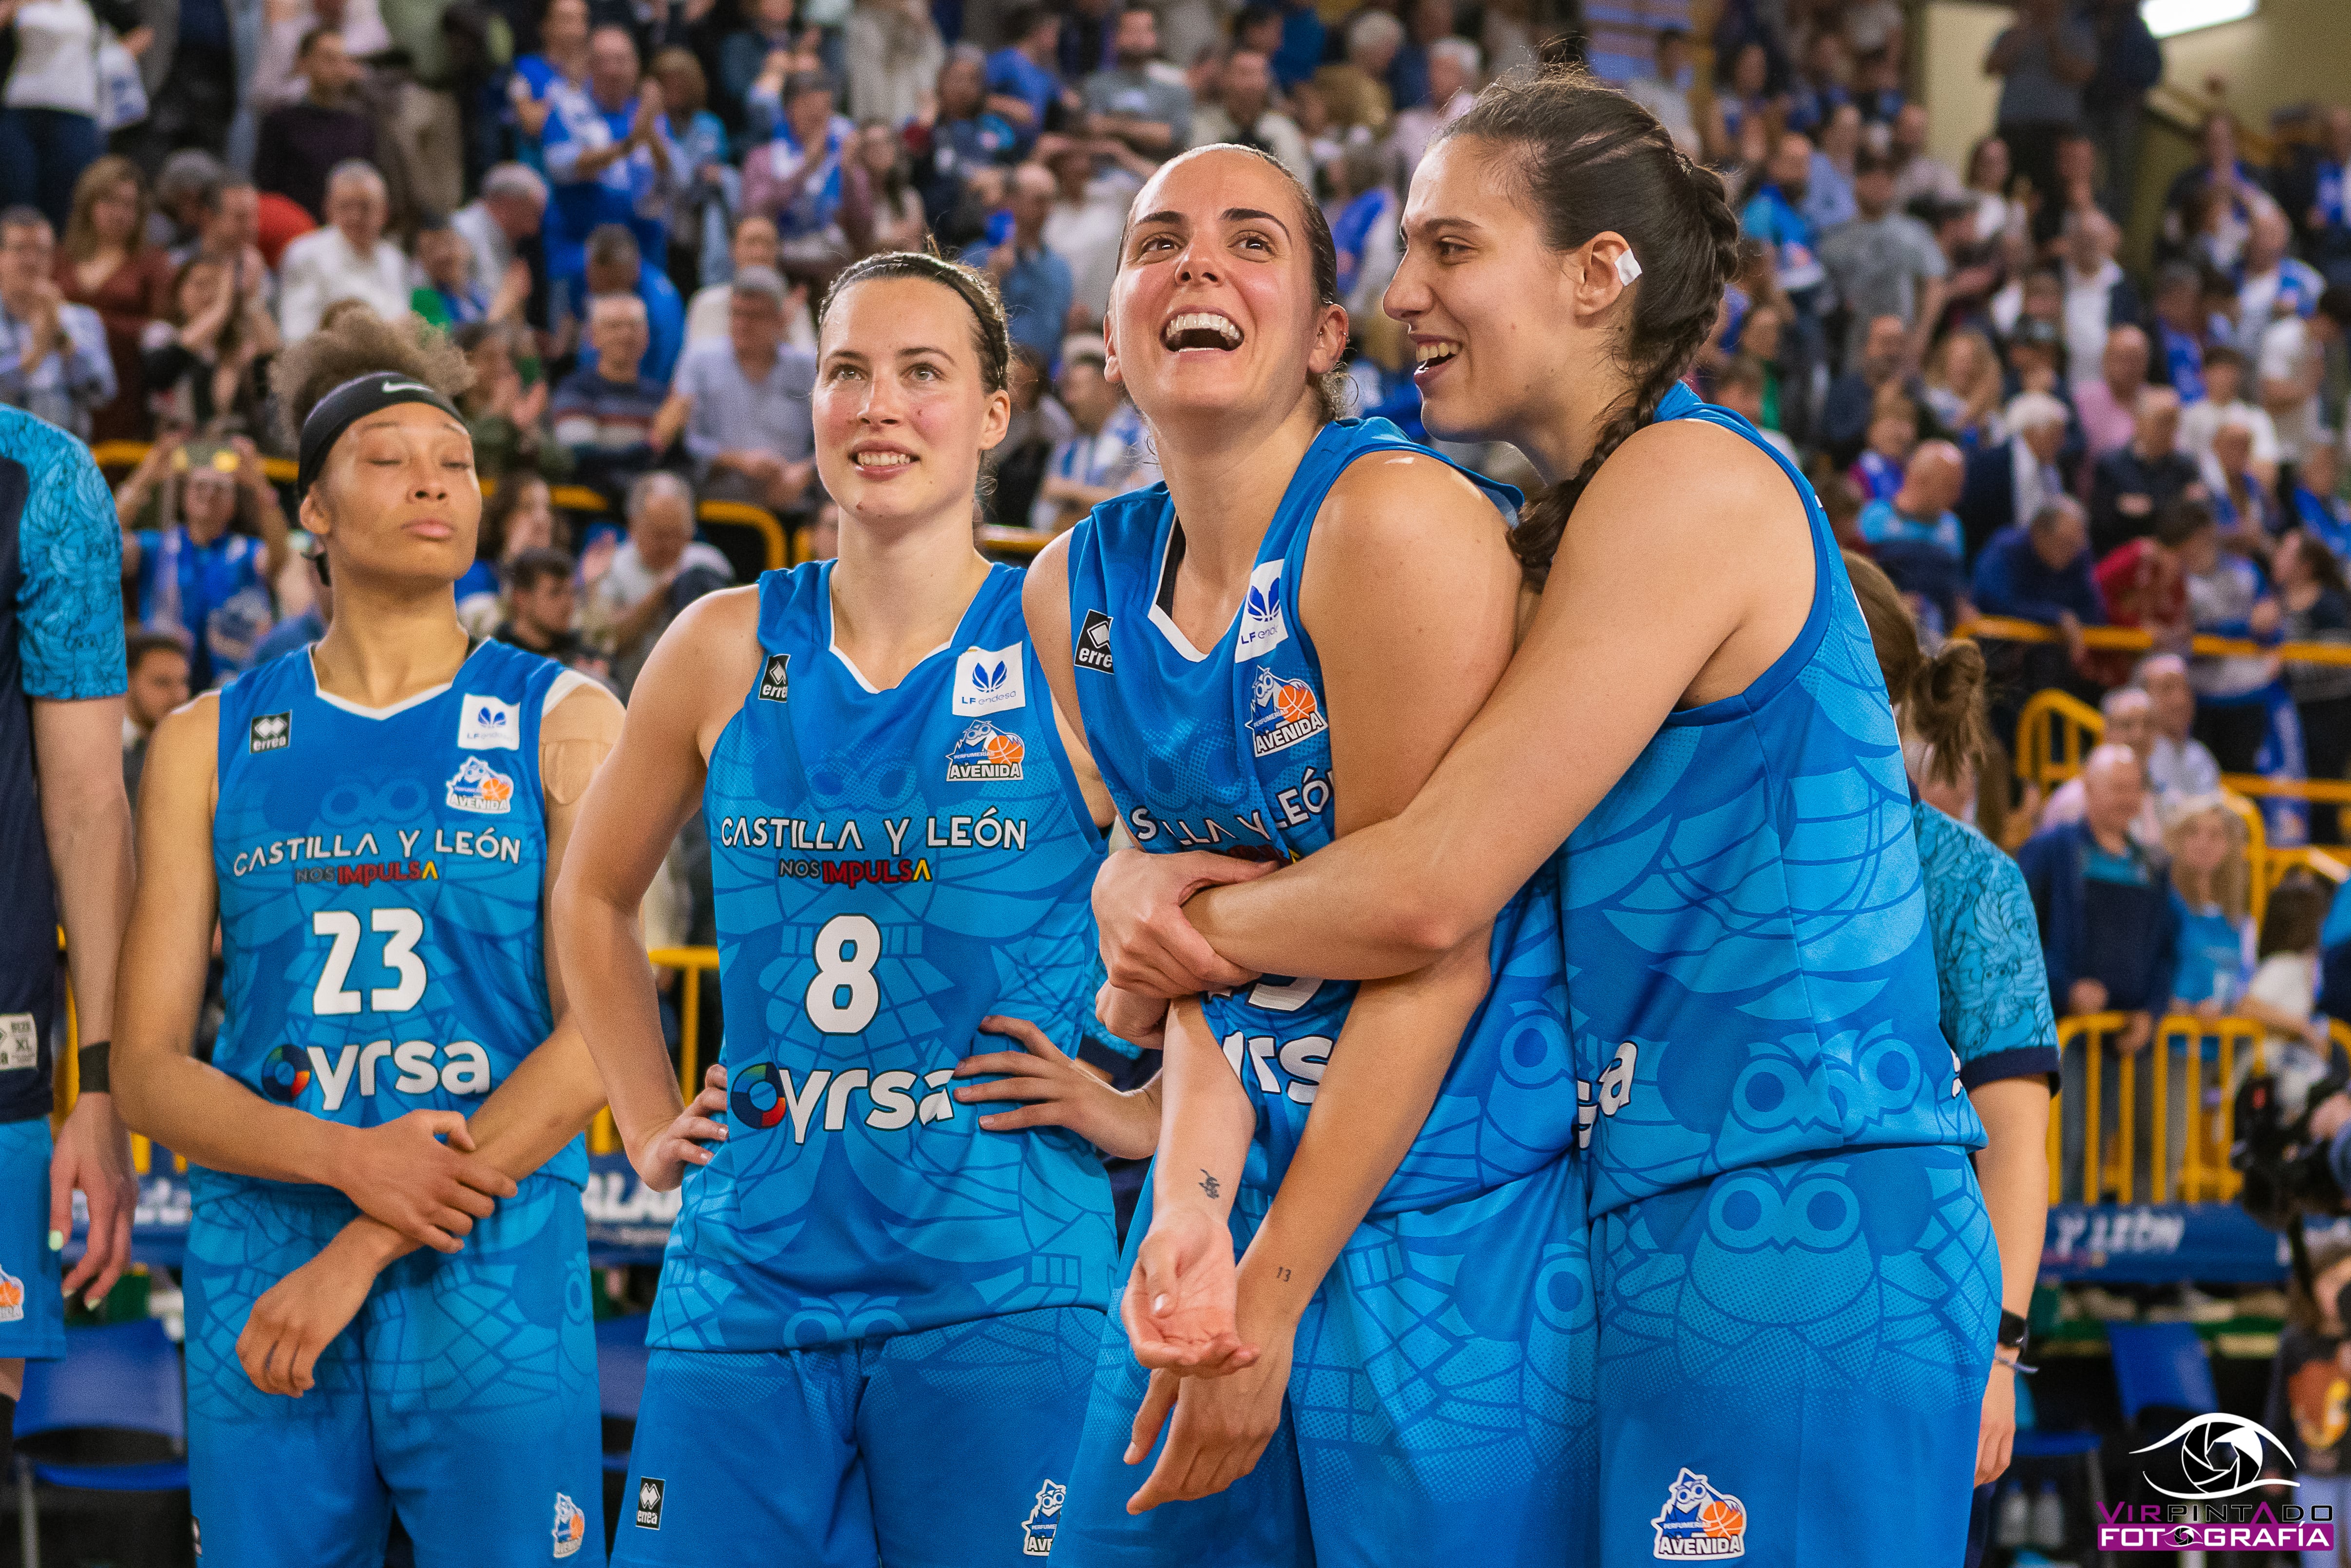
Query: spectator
[1740, 107]
[108, 265]
[2109, 920]
[1128, 101]
[1822, 83]
[2207, 844]
[2039, 571]
[1918, 173]
[542, 610]
[2245, 507]
[2316, 607]
[744, 403]
[1829, 201]
[2274, 282]
[348, 259]
[2107, 406]
[898, 222]
[1244, 112]
[2018, 478]
[803, 179]
[446, 296]
[1023, 85]
[2130, 722]
[2210, 206]
[2321, 198]
[962, 129]
[2098, 298]
[1106, 453]
[1990, 175]
[1876, 474]
[656, 572]
[1885, 263]
[1354, 90]
[2292, 363]
[518, 519]
[53, 358]
[506, 419]
[1036, 284]
[303, 144]
[159, 683]
[1963, 390]
[228, 230]
[2132, 485]
[2178, 764]
[754, 245]
[1664, 91]
[775, 43]
[2178, 329]
[560, 62]
[205, 364]
[2283, 996]
[609, 156]
[1916, 537]
[2044, 59]
[2318, 506]
[1740, 386]
[2077, 193]
[1882, 365]
[187, 187]
[821, 538]
[2143, 584]
[1015, 466]
[705, 183]
[2243, 710]
[1775, 215]
[501, 230]
[2130, 65]
[604, 412]
[894, 53]
[197, 579]
[49, 109]
[2224, 380]
[615, 265]
[1088, 217]
[1364, 229]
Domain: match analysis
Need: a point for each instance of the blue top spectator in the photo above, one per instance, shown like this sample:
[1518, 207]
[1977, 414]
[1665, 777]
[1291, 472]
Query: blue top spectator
[1021, 84]
[2042, 571]
[615, 266]
[1036, 284]
[608, 155]
[1775, 216]
[197, 579]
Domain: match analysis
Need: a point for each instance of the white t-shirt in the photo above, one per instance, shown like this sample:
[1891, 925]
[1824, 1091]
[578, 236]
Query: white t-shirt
[2286, 346]
[2086, 303]
[2288, 982]
[2200, 421]
[57, 57]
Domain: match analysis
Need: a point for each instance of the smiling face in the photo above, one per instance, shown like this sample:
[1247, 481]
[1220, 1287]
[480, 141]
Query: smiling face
[903, 410]
[398, 500]
[1214, 310]
[1480, 292]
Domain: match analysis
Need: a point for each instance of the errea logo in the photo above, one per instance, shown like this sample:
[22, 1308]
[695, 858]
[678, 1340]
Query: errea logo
[776, 678]
[989, 680]
[649, 1502]
[271, 732]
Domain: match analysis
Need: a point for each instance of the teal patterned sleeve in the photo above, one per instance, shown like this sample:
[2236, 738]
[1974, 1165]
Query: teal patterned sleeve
[1987, 961]
[70, 602]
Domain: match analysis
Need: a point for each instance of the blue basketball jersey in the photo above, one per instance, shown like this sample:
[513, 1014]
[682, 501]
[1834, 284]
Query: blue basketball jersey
[1227, 749]
[1748, 961]
[890, 867]
[380, 877]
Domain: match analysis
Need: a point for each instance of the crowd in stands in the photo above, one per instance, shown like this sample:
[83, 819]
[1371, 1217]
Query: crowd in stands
[626, 214]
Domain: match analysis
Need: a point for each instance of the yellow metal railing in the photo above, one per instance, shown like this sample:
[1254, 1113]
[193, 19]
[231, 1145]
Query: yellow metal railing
[691, 964]
[2109, 1156]
[2130, 639]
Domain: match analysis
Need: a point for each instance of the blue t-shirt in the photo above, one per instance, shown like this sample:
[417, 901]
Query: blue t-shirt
[1011, 74]
[1988, 963]
[214, 595]
[2216, 957]
[1882, 524]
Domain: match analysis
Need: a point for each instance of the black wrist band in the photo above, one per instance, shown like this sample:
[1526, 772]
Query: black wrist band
[91, 1059]
[2012, 1334]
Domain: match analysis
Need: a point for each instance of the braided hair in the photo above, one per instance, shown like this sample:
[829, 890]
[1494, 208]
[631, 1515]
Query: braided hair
[1586, 159]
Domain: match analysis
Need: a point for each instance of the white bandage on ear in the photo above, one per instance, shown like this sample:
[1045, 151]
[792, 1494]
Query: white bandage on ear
[1627, 268]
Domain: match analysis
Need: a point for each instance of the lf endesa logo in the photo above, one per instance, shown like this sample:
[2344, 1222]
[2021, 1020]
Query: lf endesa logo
[2212, 1464]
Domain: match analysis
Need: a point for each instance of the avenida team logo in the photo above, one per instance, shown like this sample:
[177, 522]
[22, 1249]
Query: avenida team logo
[12, 1297]
[1044, 1520]
[1281, 714]
[284, 1073]
[984, 752]
[479, 787]
[756, 1095]
[570, 1526]
[1701, 1520]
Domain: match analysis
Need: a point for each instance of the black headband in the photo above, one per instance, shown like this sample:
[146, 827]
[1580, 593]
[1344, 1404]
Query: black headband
[347, 405]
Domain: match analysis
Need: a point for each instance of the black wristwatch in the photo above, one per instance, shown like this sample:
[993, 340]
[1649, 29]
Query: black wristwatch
[2013, 1332]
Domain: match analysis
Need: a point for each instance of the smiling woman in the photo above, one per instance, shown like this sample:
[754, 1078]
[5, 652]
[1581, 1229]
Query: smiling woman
[395, 1068]
[1307, 600]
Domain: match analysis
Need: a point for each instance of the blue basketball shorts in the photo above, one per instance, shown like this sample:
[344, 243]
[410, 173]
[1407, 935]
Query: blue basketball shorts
[945, 1448]
[31, 1276]
[1792, 1360]
[463, 1394]
[1440, 1404]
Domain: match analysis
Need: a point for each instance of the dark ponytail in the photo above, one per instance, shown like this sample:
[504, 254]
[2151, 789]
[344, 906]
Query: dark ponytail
[1940, 697]
[1587, 159]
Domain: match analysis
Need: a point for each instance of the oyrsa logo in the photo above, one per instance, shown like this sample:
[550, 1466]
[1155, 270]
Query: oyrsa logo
[284, 1073]
[1699, 1520]
[570, 1526]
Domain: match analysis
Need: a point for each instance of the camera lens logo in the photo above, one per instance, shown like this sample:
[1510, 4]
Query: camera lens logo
[284, 1073]
[2219, 1456]
[757, 1097]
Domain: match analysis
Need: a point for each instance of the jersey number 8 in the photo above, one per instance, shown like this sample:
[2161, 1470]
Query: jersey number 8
[844, 996]
[404, 926]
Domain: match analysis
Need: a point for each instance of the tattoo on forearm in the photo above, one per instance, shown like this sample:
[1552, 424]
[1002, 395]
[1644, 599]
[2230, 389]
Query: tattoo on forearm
[1208, 1183]
[1279, 1274]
